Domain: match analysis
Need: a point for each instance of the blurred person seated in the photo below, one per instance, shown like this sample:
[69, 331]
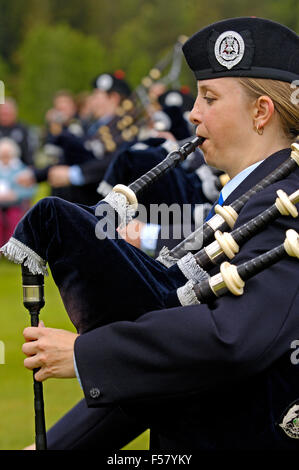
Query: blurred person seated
[11, 127]
[14, 198]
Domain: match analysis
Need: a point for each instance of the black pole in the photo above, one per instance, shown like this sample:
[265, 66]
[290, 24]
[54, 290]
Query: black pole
[33, 299]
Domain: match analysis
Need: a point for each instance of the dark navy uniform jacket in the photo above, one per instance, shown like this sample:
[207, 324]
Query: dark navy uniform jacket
[215, 376]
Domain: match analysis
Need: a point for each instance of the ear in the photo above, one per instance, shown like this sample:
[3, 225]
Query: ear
[263, 110]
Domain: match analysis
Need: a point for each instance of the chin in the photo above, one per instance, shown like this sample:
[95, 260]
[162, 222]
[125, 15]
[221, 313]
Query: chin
[210, 159]
[214, 158]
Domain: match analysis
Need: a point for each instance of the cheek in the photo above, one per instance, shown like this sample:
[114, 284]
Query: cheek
[227, 123]
[216, 125]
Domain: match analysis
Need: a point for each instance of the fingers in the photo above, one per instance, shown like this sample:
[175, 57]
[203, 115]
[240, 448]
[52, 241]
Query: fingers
[33, 362]
[38, 361]
[32, 333]
[42, 374]
[51, 350]
[33, 349]
[30, 348]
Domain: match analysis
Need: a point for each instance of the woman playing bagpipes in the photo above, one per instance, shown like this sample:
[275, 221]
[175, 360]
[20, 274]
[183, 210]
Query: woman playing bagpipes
[215, 375]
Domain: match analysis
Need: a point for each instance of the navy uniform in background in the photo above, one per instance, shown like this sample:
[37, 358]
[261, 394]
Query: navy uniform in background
[95, 157]
[170, 118]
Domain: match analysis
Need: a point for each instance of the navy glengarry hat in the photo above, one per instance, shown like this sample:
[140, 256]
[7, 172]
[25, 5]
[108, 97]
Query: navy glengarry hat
[181, 99]
[112, 82]
[244, 47]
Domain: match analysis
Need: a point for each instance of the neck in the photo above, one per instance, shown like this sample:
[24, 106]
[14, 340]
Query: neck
[258, 150]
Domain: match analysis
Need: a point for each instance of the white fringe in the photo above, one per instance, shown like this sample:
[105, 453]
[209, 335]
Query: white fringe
[186, 294]
[191, 269]
[119, 203]
[166, 258]
[16, 251]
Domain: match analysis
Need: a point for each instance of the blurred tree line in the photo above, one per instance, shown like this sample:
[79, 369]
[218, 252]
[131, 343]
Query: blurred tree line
[52, 44]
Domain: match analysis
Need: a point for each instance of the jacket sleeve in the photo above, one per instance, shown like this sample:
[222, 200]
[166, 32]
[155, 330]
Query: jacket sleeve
[189, 350]
[82, 428]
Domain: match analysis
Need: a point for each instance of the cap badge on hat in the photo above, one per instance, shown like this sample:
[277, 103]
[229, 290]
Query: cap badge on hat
[229, 49]
[104, 82]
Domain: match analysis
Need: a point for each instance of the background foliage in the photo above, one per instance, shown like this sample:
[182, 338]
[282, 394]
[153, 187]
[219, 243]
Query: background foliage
[63, 59]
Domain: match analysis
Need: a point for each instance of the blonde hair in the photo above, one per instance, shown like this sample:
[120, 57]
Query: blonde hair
[281, 95]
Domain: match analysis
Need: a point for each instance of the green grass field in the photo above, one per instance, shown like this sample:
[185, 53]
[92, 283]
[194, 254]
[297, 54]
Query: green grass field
[16, 394]
[16, 386]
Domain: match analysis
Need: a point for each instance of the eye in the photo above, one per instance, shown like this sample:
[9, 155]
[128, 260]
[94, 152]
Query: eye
[208, 99]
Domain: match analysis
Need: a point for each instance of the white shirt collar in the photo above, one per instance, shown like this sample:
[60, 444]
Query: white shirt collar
[232, 184]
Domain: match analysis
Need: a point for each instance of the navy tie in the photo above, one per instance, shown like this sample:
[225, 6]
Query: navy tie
[212, 211]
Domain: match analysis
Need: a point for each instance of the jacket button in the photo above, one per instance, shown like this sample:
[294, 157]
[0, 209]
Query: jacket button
[94, 392]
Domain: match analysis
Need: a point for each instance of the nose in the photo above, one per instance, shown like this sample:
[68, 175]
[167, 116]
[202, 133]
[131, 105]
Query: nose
[195, 114]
